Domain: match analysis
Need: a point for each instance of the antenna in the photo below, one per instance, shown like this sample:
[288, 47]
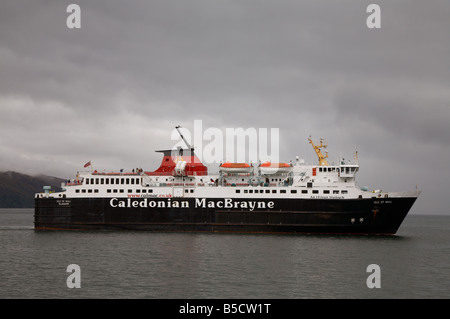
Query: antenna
[185, 141]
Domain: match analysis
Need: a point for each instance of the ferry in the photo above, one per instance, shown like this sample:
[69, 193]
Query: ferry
[181, 196]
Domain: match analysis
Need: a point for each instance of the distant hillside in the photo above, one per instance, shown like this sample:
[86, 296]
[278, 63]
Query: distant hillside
[17, 190]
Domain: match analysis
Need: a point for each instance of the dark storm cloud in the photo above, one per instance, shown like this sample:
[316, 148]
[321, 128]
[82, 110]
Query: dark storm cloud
[112, 91]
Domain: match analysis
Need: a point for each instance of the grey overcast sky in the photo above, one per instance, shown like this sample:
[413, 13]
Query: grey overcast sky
[113, 90]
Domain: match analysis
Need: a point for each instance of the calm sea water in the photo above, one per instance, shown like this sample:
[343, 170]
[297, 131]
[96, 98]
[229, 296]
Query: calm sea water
[33, 264]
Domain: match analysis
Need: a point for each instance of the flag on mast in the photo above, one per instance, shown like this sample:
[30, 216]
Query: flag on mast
[87, 164]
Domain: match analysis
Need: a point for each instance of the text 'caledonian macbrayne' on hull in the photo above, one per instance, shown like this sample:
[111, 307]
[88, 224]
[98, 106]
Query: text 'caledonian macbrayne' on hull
[265, 198]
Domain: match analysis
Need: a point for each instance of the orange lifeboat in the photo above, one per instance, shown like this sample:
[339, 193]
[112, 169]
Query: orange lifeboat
[235, 168]
[274, 168]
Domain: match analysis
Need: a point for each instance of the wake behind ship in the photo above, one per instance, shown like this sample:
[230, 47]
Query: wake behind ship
[265, 198]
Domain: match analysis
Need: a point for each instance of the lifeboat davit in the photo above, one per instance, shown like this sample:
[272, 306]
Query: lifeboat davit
[274, 168]
[235, 168]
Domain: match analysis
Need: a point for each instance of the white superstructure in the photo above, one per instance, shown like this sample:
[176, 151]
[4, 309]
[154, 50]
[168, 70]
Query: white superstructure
[293, 180]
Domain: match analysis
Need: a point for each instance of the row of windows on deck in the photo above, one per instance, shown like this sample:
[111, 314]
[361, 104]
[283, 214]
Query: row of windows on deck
[246, 191]
[114, 191]
[336, 169]
[293, 191]
[112, 180]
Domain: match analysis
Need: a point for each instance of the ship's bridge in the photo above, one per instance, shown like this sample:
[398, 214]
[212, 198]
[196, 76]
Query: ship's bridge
[348, 170]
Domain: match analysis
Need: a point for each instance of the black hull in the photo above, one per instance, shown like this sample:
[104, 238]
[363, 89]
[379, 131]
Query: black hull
[326, 216]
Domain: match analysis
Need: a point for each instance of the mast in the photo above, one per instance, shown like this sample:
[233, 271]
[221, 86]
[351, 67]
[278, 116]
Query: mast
[322, 158]
[185, 141]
